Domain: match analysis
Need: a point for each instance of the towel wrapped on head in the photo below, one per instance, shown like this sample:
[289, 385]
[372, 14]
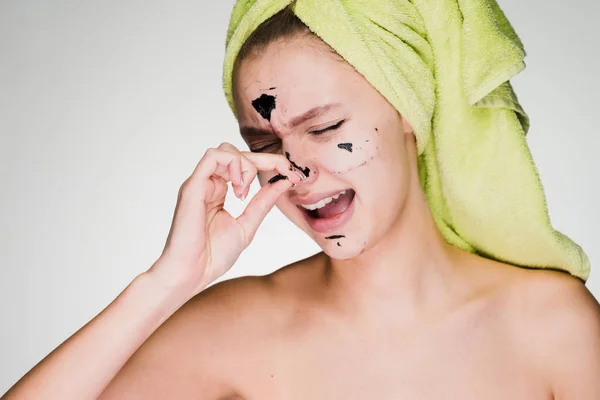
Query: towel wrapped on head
[445, 66]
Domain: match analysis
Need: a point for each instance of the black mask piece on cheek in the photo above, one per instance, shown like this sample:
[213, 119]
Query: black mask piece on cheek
[305, 171]
[346, 146]
[264, 105]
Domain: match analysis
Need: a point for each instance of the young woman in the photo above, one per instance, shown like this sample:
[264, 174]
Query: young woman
[388, 309]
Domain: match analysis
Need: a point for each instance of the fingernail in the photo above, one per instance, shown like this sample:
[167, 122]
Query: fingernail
[300, 175]
[244, 197]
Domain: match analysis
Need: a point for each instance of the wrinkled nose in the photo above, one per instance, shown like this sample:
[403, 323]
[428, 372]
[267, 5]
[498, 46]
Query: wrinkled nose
[302, 163]
[295, 148]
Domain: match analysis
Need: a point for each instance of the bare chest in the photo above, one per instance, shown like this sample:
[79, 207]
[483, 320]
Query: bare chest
[474, 361]
[431, 374]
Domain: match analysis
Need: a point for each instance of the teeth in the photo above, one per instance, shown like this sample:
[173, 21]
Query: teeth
[323, 202]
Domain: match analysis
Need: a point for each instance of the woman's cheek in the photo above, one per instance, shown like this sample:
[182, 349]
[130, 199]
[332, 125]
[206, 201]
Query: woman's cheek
[347, 153]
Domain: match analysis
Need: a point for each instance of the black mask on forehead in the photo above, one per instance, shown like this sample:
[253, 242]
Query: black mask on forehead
[264, 105]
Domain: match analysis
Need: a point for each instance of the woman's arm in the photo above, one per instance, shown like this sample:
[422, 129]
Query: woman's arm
[202, 245]
[84, 364]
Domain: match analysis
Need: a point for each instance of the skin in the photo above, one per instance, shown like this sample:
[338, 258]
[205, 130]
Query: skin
[377, 139]
[395, 312]
[392, 313]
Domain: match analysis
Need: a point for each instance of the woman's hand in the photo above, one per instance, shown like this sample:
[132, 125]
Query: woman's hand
[203, 243]
[205, 240]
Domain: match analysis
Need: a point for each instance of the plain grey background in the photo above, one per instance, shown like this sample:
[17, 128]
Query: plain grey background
[107, 106]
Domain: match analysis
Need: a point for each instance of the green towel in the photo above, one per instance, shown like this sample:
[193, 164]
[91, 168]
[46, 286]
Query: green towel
[445, 66]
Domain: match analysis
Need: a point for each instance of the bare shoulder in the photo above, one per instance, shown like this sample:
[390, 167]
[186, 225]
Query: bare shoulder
[558, 325]
[211, 344]
[252, 299]
[248, 309]
[555, 298]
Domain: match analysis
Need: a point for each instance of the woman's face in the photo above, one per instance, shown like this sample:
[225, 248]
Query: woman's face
[300, 100]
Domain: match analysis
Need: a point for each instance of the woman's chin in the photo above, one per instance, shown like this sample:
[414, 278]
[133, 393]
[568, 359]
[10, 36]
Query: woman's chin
[343, 248]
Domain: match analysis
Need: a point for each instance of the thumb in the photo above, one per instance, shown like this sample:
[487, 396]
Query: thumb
[259, 207]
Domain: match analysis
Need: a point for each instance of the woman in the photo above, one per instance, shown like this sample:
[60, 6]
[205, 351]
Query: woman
[390, 309]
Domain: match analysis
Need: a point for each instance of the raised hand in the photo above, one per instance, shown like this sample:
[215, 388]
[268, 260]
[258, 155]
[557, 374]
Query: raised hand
[205, 240]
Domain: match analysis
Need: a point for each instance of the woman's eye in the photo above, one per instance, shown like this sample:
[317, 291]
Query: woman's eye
[262, 149]
[274, 146]
[329, 128]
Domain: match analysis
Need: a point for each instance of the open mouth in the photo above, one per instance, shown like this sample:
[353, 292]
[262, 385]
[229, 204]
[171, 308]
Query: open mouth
[331, 207]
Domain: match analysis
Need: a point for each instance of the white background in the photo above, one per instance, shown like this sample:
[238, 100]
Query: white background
[107, 106]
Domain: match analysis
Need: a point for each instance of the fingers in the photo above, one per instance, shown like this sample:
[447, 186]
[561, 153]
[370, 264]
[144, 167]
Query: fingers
[225, 162]
[239, 170]
[267, 196]
[251, 163]
[275, 162]
[259, 207]
[240, 167]
[269, 162]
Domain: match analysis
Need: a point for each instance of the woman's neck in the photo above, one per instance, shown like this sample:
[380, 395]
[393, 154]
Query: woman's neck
[410, 272]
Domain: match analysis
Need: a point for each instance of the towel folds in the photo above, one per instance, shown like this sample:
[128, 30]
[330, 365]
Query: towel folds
[445, 66]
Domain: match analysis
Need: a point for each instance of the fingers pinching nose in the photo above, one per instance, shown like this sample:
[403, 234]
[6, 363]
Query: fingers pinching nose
[300, 175]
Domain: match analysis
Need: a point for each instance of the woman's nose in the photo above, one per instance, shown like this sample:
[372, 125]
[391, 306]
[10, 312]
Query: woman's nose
[302, 164]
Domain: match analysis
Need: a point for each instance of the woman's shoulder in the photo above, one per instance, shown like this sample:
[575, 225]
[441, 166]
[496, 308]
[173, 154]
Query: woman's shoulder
[532, 304]
[542, 294]
[557, 324]
[534, 295]
[260, 300]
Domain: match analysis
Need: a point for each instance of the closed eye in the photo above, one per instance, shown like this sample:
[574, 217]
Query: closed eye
[264, 148]
[274, 145]
[329, 128]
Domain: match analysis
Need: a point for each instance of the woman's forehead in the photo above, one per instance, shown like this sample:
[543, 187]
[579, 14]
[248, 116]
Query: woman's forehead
[291, 79]
[287, 106]
[290, 65]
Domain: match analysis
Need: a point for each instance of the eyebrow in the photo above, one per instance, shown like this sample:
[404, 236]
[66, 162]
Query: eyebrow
[314, 112]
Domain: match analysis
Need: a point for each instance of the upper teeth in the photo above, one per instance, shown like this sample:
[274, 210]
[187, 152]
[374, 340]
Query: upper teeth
[323, 202]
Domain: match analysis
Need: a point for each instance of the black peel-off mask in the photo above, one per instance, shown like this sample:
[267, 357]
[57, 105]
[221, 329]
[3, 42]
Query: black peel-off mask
[305, 171]
[336, 237]
[361, 156]
[264, 105]
[345, 146]
[277, 177]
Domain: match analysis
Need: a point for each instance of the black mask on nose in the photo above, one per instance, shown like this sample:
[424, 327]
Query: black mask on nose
[305, 171]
